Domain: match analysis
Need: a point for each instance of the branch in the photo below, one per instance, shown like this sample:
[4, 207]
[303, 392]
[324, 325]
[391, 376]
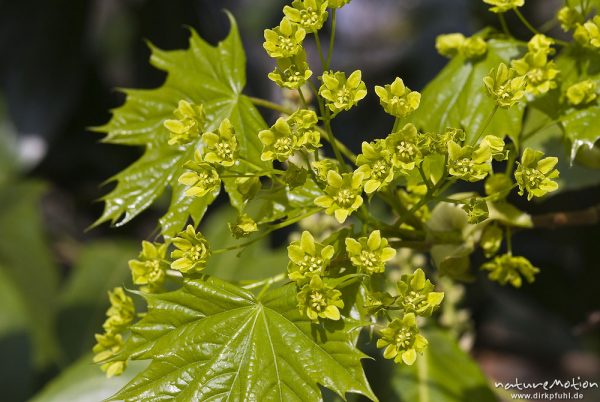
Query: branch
[585, 217]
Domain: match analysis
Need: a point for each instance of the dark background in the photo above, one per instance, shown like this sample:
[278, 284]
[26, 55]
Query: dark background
[61, 60]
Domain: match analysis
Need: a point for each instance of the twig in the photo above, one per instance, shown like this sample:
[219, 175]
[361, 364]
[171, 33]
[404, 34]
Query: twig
[585, 217]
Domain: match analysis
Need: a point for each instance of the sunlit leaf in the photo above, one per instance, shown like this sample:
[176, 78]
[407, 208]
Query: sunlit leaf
[457, 98]
[212, 76]
[214, 341]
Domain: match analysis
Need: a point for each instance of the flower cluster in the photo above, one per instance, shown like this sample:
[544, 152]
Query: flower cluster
[450, 45]
[569, 18]
[534, 174]
[120, 314]
[287, 135]
[308, 268]
[342, 194]
[469, 163]
[319, 300]
[291, 72]
[510, 269]
[341, 93]
[502, 6]
[188, 123]
[149, 270]
[308, 258]
[416, 295]
[202, 178]
[369, 254]
[401, 339]
[191, 251]
[382, 161]
[539, 72]
[582, 93]
[588, 34]
[505, 86]
[397, 99]
[221, 147]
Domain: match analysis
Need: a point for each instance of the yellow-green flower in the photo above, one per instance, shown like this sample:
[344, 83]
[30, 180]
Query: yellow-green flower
[222, 147]
[121, 311]
[437, 143]
[569, 18]
[540, 43]
[188, 123]
[338, 3]
[509, 269]
[491, 240]
[582, 93]
[108, 345]
[469, 163]
[473, 47]
[308, 258]
[404, 145]
[343, 194]
[449, 45]
[397, 99]
[278, 142]
[149, 270]
[291, 72]
[285, 40]
[244, 226]
[369, 254]
[534, 174]
[318, 300]
[191, 252]
[309, 14]
[504, 86]
[588, 34]
[202, 178]
[375, 162]
[416, 294]
[476, 209]
[496, 146]
[323, 166]
[502, 6]
[540, 74]
[402, 340]
[453, 44]
[341, 93]
[303, 124]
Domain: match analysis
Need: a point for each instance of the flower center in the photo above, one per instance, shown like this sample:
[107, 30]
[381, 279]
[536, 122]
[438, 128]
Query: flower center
[463, 166]
[368, 259]
[344, 198]
[413, 301]
[318, 302]
[405, 151]
[286, 43]
[533, 178]
[309, 17]
[311, 264]
[196, 253]
[404, 339]
[224, 151]
[283, 145]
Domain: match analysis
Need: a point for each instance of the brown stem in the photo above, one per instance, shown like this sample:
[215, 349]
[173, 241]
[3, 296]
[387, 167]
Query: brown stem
[555, 220]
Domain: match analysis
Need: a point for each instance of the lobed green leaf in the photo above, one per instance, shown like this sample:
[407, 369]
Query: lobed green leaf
[213, 341]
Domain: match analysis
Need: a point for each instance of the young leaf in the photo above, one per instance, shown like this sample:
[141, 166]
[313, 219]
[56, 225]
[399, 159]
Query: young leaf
[456, 97]
[212, 340]
[202, 74]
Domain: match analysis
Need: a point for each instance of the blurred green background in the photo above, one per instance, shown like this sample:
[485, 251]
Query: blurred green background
[59, 64]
